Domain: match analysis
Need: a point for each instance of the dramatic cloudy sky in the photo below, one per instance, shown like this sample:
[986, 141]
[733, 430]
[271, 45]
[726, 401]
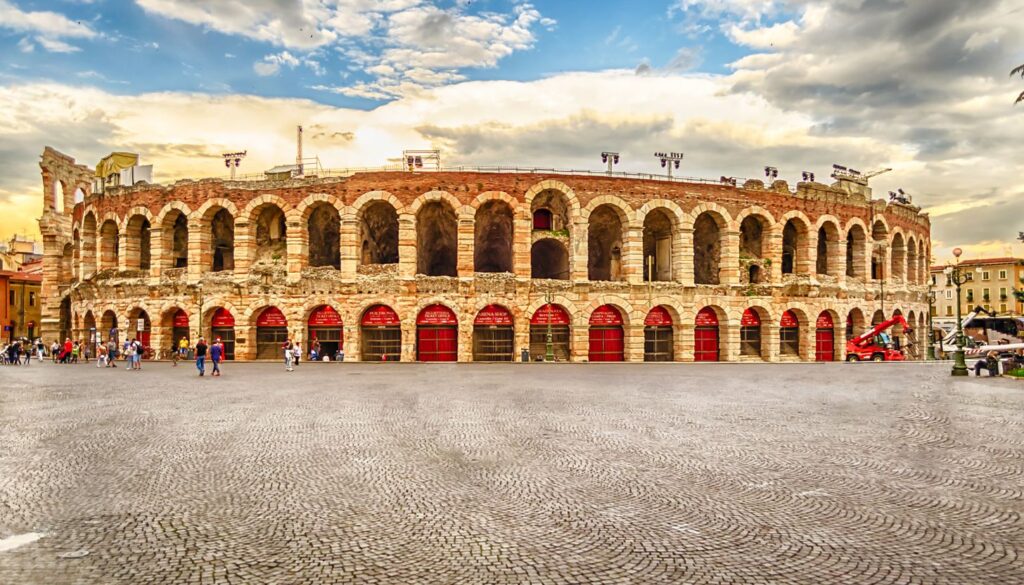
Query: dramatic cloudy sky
[922, 86]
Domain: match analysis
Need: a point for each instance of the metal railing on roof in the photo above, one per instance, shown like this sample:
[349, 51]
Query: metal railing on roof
[347, 172]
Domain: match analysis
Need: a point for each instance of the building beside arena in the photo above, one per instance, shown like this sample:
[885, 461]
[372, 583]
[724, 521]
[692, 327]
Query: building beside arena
[475, 266]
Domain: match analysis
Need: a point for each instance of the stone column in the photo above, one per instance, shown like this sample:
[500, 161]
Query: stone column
[729, 260]
[406, 245]
[685, 352]
[633, 256]
[349, 242]
[297, 246]
[245, 247]
[770, 341]
[159, 258]
[685, 274]
[579, 344]
[199, 253]
[522, 235]
[578, 250]
[465, 246]
[465, 339]
[127, 251]
[775, 255]
[634, 342]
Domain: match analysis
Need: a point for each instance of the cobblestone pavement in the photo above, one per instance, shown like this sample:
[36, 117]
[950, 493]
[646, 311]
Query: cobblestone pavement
[408, 474]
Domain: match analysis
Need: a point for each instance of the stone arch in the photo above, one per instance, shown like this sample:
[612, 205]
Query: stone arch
[827, 259]
[606, 237]
[90, 237]
[754, 225]
[137, 228]
[855, 322]
[493, 234]
[765, 332]
[216, 221]
[912, 274]
[572, 201]
[429, 197]
[661, 223]
[174, 234]
[856, 249]
[364, 200]
[709, 225]
[794, 228]
[437, 234]
[488, 196]
[377, 216]
[110, 245]
[624, 307]
[898, 257]
[265, 224]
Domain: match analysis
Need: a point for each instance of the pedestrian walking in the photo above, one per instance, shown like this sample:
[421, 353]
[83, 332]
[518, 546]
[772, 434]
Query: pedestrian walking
[296, 353]
[201, 356]
[101, 356]
[112, 353]
[129, 355]
[216, 355]
[55, 351]
[40, 348]
[288, 355]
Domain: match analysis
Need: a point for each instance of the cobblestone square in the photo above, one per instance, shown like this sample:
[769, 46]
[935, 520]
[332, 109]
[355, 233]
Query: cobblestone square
[471, 473]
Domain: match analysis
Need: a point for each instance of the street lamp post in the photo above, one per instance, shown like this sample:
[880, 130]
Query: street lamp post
[958, 277]
[669, 159]
[549, 345]
[931, 329]
[611, 159]
[199, 320]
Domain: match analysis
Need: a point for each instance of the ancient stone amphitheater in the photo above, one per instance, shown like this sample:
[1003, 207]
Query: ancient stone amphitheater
[477, 266]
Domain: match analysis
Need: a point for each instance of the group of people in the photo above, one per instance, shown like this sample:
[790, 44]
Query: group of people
[20, 351]
[993, 361]
[202, 349]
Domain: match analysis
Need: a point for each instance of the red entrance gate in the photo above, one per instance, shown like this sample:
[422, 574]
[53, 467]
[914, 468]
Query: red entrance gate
[325, 329]
[607, 339]
[437, 335]
[179, 328]
[825, 339]
[271, 334]
[222, 326]
[705, 336]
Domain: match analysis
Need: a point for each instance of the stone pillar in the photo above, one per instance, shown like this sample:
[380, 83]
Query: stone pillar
[245, 247]
[579, 344]
[522, 336]
[633, 256]
[522, 236]
[465, 246]
[578, 250]
[770, 341]
[837, 261]
[349, 242]
[807, 338]
[351, 338]
[159, 257]
[247, 349]
[684, 351]
[728, 341]
[297, 249]
[199, 254]
[775, 255]
[685, 274]
[406, 245]
[49, 292]
[128, 252]
[634, 342]
[465, 340]
[409, 340]
[729, 259]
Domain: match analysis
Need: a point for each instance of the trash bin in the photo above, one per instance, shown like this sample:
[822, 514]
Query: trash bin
[524, 355]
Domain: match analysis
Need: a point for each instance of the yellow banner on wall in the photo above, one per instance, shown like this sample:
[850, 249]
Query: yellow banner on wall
[115, 162]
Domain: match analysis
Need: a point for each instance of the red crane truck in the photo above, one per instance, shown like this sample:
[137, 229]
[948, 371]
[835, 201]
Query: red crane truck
[874, 345]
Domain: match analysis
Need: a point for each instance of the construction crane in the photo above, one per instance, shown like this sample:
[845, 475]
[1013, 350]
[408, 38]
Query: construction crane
[875, 344]
[841, 173]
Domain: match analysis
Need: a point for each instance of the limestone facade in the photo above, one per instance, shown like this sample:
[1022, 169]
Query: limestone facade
[467, 240]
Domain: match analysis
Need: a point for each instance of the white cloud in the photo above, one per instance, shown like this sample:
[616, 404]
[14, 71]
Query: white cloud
[46, 27]
[406, 45]
[778, 35]
[271, 64]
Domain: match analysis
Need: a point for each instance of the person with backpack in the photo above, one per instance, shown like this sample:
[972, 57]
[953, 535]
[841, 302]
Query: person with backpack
[288, 353]
[201, 356]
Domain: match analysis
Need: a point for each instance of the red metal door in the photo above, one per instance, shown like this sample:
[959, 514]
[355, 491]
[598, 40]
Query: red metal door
[437, 343]
[705, 344]
[607, 344]
[824, 345]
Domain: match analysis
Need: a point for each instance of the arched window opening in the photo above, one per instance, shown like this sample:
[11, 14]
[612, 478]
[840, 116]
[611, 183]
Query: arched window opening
[707, 250]
[750, 333]
[794, 237]
[754, 274]
[549, 259]
[912, 275]
[658, 251]
[437, 240]
[324, 232]
[109, 246]
[175, 235]
[138, 244]
[550, 210]
[856, 242]
[789, 334]
[89, 237]
[899, 258]
[752, 237]
[827, 262]
[271, 247]
[378, 234]
[604, 244]
[492, 243]
[222, 229]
